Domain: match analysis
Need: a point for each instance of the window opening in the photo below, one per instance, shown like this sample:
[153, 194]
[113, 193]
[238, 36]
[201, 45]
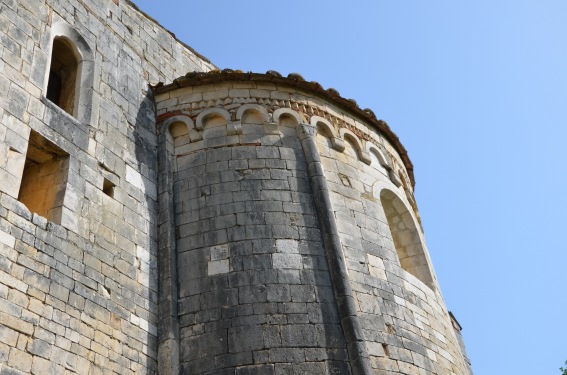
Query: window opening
[44, 179]
[406, 237]
[108, 188]
[64, 75]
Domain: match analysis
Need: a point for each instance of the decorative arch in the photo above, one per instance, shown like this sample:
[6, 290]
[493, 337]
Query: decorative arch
[379, 155]
[69, 78]
[244, 109]
[363, 155]
[322, 123]
[410, 197]
[284, 112]
[180, 130]
[406, 237]
[185, 119]
[209, 113]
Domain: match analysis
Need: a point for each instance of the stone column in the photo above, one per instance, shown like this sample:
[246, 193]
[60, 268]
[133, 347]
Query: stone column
[168, 325]
[356, 343]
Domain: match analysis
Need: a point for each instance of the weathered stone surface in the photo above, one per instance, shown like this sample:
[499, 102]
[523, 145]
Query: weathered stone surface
[258, 225]
[311, 251]
[94, 258]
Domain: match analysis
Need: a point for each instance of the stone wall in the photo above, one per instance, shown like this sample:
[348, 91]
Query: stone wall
[403, 314]
[281, 216]
[78, 293]
[284, 207]
[254, 287]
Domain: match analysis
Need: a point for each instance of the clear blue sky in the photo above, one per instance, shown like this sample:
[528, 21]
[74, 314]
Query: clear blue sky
[477, 92]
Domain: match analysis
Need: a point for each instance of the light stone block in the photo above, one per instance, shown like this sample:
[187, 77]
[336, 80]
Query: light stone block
[218, 266]
[287, 246]
[134, 177]
[7, 239]
[283, 261]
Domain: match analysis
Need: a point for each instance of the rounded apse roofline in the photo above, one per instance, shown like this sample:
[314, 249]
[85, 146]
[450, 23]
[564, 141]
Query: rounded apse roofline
[293, 80]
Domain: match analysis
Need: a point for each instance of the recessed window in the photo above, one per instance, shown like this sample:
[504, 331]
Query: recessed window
[406, 237]
[44, 179]
[62, 87]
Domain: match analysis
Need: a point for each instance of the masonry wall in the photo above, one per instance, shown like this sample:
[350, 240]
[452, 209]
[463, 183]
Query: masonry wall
[255, 292]
[79, 294]
[282, 204]
[405, 320]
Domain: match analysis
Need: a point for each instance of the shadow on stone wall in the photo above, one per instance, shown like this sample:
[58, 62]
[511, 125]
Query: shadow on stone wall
[144, 135]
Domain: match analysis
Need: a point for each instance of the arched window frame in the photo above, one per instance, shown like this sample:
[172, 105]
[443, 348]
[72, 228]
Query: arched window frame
[83, 102]
[420, 266]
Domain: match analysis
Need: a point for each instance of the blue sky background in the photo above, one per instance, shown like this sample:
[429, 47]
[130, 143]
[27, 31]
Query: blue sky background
[477, 92]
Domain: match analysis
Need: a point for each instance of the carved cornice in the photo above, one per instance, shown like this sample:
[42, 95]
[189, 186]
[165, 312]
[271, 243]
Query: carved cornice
[292, 80]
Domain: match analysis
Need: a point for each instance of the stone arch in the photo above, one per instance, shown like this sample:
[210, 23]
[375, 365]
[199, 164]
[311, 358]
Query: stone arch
[180, 130]
[406, 237]
[281, 113]
[70, 75]
[378, 154]
[363, 155]
[207, 114]
[325, 128]
[324, 124]
[410, 197]
[260, 111]
[184, 119]
[194, 135]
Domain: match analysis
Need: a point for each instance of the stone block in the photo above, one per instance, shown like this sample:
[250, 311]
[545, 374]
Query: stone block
[20, 360]
[218, 267]
[7, 239]
[8, 336]
[245, 338]
[291, 261]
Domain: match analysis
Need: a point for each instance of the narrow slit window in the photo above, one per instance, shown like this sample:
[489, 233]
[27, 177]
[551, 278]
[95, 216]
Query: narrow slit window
[108, 188]
[44, 180]
[62, 87]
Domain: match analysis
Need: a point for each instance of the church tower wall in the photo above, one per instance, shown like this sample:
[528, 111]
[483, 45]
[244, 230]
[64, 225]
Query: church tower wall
[78, 167]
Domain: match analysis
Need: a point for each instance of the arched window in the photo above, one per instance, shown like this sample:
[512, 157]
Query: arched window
[64, 75]
[406, 237]
[70, 75]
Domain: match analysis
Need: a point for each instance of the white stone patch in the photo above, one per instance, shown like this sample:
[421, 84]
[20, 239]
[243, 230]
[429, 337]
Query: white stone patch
[134, 319]
[293, 261]
[220, 262]
[12, 282]
[143, 324]
[7, 239]
[287, 246]
[218, 266]
[431, 354]
[439, 336]
[137, 180]
[134, 177]
[376, 267]
[143, 254]
[400, 301]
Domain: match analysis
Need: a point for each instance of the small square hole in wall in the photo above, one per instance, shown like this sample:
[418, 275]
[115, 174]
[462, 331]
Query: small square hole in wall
[108, 188]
